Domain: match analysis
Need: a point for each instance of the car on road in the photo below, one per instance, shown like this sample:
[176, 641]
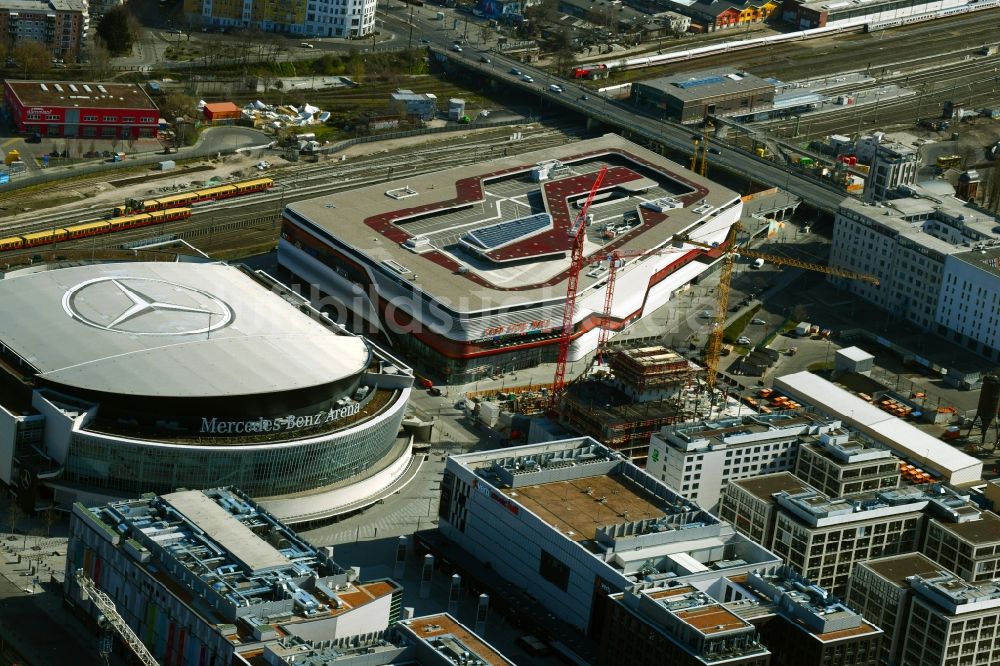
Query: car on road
[758, 321]
[434, 391]
[175, 31]
[263, 165]
[306, 45]
[705, 314]
[527, 78]
[556, 88]
[743, 340]
[460, 404]
[515, 71]
[484, 58]
[715, 151]
[456, 47]
[424, 40]
[584, 97]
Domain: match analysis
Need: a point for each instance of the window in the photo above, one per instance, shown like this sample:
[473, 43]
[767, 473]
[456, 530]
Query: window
[90, 119]
[554, 571]
[109, 119]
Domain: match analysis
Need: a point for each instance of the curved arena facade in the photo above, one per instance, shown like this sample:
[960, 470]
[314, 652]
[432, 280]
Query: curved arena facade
[129, 378]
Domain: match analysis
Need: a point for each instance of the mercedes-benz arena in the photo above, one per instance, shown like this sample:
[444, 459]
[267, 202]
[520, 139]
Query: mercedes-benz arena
[465, 270]
[126, 378]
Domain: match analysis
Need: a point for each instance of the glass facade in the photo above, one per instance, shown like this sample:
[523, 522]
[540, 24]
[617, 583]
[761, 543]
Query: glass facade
[123, 466]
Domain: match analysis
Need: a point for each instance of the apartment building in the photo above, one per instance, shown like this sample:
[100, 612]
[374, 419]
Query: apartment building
[970, 548]
[700, 459]
[893, 167]
[968, 312]
[838, 465]
[309, 18]
[750, 505]
[59, 25]
[952, 621]
[881, 592]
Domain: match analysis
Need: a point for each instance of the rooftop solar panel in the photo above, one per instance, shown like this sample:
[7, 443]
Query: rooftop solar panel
[504, 233]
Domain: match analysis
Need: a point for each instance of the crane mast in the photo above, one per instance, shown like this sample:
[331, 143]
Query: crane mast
[107, 607]
[576, 232]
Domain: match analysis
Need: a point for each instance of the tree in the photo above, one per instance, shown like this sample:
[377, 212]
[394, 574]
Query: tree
[100, 61]
[32, 57]
[177, 105]
[116, 30]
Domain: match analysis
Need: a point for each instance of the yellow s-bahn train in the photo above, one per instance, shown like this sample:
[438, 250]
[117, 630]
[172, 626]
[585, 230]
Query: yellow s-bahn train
[85, 229]
[195, 196]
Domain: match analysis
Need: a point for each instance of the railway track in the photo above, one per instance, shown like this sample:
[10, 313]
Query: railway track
[254, 220]
[976, 82]
[294, 182]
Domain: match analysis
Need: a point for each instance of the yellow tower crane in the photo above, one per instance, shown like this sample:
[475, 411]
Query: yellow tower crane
[714, 347]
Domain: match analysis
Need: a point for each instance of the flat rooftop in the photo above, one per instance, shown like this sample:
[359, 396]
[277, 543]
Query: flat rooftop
[83, 95]
[574, 507]
[898, 568]
[245, 547]
[765, 487]
[986, 259]
[172, 330]
[449, 636]
[528, 262]
[709, 620]
[691, 86]
[986, 530]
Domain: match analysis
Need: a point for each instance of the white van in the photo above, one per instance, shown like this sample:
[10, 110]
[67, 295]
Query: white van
[757, 264]
[555, 88]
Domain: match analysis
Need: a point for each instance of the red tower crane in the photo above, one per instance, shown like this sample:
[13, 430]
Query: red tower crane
[576, 232]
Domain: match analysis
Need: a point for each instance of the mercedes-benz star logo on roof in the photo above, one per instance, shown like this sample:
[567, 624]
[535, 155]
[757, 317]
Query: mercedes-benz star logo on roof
[145, 306]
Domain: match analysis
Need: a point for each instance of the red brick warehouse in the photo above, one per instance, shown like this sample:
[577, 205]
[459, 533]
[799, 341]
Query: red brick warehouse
[81, 110]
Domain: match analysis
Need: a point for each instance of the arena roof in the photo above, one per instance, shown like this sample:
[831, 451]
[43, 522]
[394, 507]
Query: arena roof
[438, 208]
[169, 330]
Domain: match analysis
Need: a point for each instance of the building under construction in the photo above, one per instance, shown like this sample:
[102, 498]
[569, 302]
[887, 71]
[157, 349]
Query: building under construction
[650, 387]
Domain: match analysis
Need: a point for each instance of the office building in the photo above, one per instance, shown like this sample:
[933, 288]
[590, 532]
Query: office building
[967, 311]
[942, 460]
[806, 14]
[571, 521]
[803, 624]
[970, 548]
[893, 167]
[491, 300]
[209, 577]
[126, 378]
[643, 626]
[318, 18]
[691, 97]
[698, 459]
[58, 25]
[769, 616]
[838, 465]
[440, 640]
[880, 590]
[952, 621]
[81, 110]
[751, 506]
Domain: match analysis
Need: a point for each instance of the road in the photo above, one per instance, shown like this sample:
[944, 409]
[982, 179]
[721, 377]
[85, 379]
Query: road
[634, 124]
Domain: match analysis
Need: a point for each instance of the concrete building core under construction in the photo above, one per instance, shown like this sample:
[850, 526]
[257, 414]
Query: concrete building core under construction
[646, 390]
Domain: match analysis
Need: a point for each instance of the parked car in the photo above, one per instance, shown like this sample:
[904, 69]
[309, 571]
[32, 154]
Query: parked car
[262, 165]
[456, 47]
[306, 45]
[743, 340]
[705, 314]
[434, 391]
[758, 321]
